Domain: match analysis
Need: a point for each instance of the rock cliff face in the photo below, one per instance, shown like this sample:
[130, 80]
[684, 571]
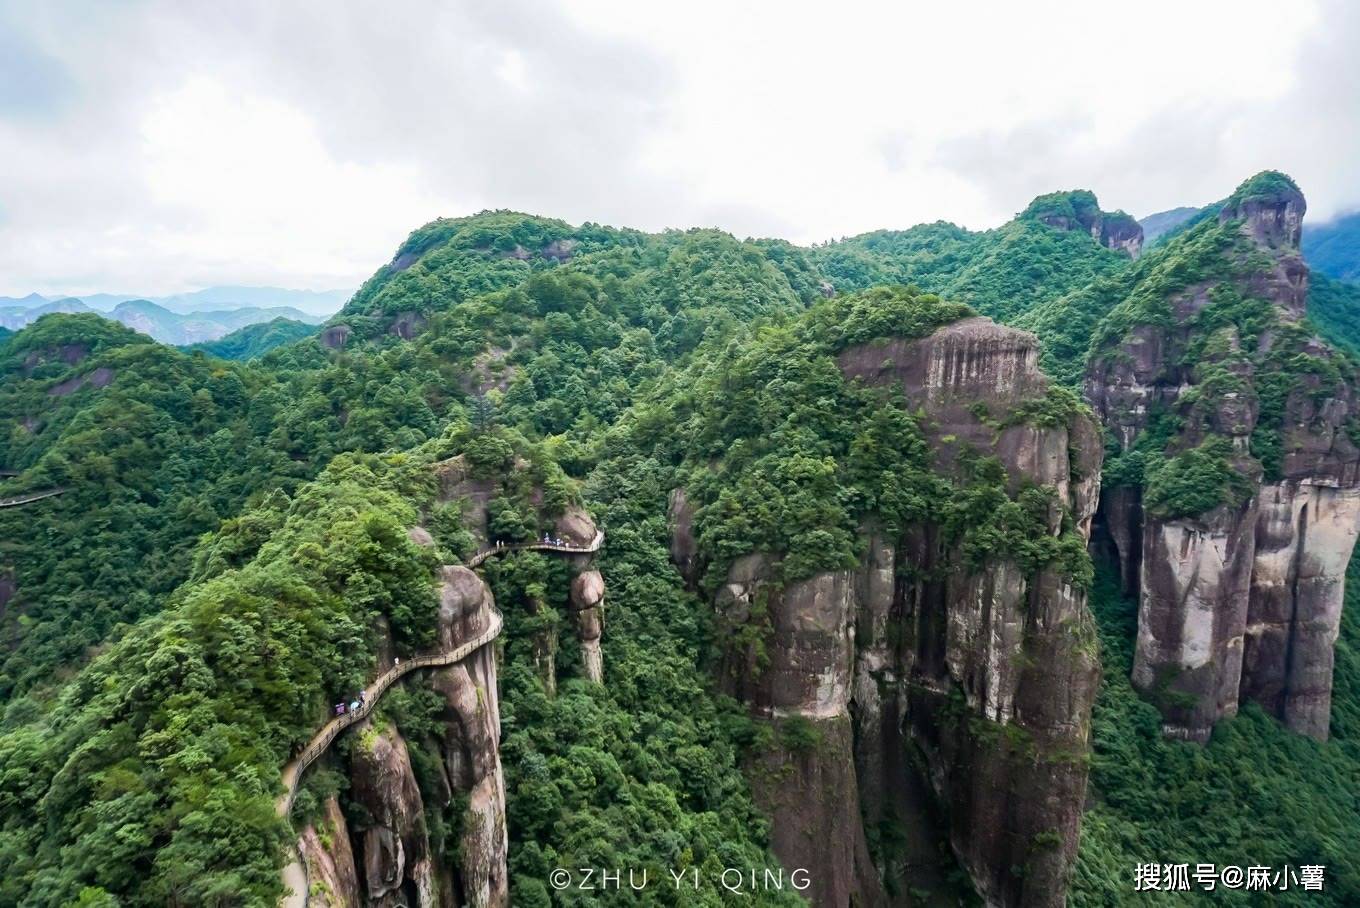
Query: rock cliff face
[471, 740]
[1242, 600]
[585, 599]
[395, 866]
[326, 849]
[929, 681]
[385, 858]
[587, 603]
[1079, 211]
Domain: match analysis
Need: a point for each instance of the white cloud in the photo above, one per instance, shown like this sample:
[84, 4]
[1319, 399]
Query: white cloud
[162, 146]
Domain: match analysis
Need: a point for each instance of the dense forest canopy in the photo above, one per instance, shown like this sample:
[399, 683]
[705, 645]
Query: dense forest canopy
[231, 542]
[1002, 273]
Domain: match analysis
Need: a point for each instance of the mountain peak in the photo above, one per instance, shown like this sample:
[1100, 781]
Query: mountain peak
[1272, 207]
[1078, 209]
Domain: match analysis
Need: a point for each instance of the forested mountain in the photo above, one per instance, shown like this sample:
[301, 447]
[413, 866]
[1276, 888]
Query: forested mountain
[1062, 241]
[843, 616]
[256, 340]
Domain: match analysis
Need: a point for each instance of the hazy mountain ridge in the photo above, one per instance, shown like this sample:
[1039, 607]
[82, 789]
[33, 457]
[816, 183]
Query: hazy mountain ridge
[257, 339]
[174, 328]
[161, 323]
[1334, 247]
[312, 302]
[1155, 226]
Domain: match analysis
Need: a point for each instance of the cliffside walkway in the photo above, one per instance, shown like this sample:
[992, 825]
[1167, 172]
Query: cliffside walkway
[294, 874]
[562, 547]
[29, 498]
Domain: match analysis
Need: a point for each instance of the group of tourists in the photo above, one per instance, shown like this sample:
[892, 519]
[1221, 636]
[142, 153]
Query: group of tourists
[353, 706]
[546, 540]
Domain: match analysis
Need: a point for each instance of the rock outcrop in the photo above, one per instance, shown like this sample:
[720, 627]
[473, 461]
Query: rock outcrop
[1079, 211]
[584, 599]
[471, 740]
[396, 865]
[1242, 600]
[406, 325]
[333, 881]
[335, 337]
[928, 681]
[587, 604]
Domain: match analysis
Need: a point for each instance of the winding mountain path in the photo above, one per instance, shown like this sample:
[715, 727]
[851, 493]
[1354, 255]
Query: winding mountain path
[30, 497]
[294, 873]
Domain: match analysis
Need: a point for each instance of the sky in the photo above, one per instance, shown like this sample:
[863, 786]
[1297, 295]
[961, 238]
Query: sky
[160, 147]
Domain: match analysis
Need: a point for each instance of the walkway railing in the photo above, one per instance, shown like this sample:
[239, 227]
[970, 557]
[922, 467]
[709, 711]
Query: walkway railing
[30, 497]
[294, 872]
[292, 773]
[592, 546]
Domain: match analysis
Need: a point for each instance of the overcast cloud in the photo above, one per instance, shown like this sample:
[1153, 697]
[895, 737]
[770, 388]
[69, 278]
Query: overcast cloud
[158, 147]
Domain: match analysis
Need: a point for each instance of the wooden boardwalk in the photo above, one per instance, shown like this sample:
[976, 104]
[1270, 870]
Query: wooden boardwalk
[294, 874]
[29, 498]
[562, 547]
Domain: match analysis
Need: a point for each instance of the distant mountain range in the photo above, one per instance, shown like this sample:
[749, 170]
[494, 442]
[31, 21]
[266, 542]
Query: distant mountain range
[253, 340]
[313, 302]
[1334, 247]
[184, 318]
[1156, 225]
[160, 323]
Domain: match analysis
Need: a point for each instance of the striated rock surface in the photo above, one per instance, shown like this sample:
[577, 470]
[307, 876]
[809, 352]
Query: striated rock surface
[684, 548]
[396, 864]
[930, 683]
[587, 603]
[335, 337]
[406, 325]
[471, 740]
[1242, 600]
[333, 881]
